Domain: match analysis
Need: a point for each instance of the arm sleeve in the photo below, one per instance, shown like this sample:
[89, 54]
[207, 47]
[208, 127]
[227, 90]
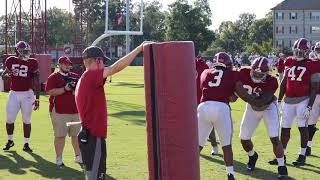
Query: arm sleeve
[8, 64]
[51, 84]
[273, 86]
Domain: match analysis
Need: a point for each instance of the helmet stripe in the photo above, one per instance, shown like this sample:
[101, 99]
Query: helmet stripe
[260, 63]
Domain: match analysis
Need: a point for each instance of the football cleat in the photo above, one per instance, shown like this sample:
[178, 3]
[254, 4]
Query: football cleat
[78, 159]
[252, 161]
[9, 144]
[214, 150]
[282, 172]
[231, 177]
[301, 160]
[26, 148]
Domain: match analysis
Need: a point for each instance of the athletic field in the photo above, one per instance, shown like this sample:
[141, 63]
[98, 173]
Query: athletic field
[126, 143]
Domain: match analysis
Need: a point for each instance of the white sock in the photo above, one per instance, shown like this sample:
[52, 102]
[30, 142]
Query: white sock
[251, 153]
[309, 143]
[303, 151]
[26, 140]
[284, 151]
[280, 161]
[229, 169]
[10, 137]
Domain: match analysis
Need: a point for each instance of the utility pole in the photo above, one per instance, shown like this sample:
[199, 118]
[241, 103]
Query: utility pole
[127, 26]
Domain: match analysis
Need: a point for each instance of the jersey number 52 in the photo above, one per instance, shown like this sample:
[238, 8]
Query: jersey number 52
[217, 79]
[20, 70]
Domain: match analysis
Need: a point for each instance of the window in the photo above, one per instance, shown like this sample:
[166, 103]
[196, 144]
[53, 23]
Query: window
[279, 15]
[293, 15]
[293, 29]
[315, 16]
[314, 29]
[280, 29]
[279, 43]
[290, 43]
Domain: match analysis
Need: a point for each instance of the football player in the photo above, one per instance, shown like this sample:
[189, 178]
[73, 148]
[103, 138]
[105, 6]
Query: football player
[261, 84]
[300, 85]
[24, 74]
[280, 66]
[214, 109]
[315, 112]
[202, 65]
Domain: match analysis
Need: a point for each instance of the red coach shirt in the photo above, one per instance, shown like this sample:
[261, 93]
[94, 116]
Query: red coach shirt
[280, 65]
[269, 85]
[91, 102]
[298, 75]
[200, 66]
[22, 72]
[64, 103]
[218, 84]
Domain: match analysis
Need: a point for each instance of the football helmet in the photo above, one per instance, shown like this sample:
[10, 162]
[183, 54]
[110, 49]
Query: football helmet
[222, 59]
[317, 50]
[260, 68]
[301, 49]
[23, 50]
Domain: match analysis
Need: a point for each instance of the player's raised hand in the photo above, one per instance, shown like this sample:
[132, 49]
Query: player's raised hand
[36, 105]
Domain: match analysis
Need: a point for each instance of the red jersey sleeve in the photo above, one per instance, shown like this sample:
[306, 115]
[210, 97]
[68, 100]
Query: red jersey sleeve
[8, 63]
[34, 66]
[51, 82]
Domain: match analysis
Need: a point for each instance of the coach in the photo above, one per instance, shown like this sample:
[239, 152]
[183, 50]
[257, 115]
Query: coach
[91, 103]
[60, 86]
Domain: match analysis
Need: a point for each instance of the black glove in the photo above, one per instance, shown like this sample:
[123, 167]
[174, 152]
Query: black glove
[84, 135]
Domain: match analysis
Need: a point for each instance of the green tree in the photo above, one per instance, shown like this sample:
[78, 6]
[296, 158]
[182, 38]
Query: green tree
[60, 27]
[185, 22]
[153, 23]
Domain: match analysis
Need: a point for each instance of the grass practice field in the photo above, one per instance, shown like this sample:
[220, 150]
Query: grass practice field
[126, 143]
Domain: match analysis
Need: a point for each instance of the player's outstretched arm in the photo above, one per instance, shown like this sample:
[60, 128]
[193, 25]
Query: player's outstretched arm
[283, 88]
[123, 62]
[36, 87]
[242, 93]
[314, 88]
[264, 99]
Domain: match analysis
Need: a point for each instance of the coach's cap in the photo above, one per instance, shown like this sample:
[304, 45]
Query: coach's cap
[94, 52]
[64, 60]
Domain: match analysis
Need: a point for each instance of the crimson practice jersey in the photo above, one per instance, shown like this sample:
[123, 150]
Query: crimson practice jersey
[200, 67]
[21, 72]
[298, 75]
[218, 84]
[269, 85]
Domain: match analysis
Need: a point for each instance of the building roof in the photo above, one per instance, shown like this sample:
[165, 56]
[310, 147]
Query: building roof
[298, 5]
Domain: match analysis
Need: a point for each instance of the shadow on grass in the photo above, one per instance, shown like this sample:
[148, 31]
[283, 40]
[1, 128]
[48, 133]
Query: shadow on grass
[305, 167]
[130, 85]
[241, 168]
[40, 166]
[128, 112]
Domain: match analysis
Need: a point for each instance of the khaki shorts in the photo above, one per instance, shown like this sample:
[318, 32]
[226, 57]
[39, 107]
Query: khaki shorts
[59, 124]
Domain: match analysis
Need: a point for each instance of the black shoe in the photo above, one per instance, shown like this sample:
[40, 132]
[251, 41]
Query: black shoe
[252, 162]
[231, 177]
[8, 145]
[26, 148]
[275, 161]
[308, 151]
[282, 172]
[300, 161]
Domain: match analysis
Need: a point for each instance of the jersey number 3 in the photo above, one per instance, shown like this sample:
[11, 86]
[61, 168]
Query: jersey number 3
[292, 75]
[20, 70]
[217, 78]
